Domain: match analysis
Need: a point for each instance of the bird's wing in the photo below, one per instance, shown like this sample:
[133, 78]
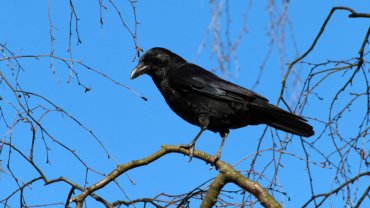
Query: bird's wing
[191, 78]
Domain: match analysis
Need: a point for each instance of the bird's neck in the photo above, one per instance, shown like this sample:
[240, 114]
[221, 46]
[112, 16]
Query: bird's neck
[162, 83]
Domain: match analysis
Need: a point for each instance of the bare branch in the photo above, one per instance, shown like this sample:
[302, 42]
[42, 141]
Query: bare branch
[228, 171]
[353, 14]
[336, 190]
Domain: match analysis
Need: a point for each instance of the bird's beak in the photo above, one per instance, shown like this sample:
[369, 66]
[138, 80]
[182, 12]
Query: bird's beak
[140, 69]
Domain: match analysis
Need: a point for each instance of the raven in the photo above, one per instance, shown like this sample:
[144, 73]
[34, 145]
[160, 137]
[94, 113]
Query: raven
[205, 100]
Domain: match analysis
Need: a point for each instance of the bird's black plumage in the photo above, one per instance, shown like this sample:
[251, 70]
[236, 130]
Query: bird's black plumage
[205, 100]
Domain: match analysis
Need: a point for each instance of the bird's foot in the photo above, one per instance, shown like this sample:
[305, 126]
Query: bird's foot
[213, 161]
[189, 147]
[215, 158]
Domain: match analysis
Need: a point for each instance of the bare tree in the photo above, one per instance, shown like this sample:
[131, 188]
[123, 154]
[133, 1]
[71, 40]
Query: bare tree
[30, 140]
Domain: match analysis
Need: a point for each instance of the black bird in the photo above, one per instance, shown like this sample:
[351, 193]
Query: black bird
[205, 100]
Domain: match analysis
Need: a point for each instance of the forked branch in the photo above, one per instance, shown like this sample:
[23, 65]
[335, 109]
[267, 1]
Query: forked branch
[353, 14]
[227, 175]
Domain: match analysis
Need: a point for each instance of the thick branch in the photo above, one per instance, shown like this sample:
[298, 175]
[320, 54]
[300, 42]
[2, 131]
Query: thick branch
[227, 171]
[252, 187]
[214, 190]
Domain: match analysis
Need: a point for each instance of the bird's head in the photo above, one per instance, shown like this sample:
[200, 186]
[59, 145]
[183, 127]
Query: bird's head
[157, 61]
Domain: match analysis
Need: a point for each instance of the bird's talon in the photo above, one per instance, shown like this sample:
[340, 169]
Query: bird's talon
[189, 147]
[215, 158]
[191, 153]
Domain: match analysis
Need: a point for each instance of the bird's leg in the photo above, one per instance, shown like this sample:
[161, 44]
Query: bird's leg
[192, 143]
[218, 154]
[191, 146]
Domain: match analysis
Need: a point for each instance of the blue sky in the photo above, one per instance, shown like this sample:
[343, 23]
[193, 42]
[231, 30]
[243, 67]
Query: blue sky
[131, 128]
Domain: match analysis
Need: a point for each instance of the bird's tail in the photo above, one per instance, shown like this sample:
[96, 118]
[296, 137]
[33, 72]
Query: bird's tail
[283, 120]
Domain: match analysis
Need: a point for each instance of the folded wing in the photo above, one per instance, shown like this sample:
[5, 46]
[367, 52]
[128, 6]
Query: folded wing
[195, 79]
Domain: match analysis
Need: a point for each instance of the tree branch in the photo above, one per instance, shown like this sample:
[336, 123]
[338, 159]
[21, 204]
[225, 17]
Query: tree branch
[336, 190]
[214, 190]
[227, 174]
[353, 14]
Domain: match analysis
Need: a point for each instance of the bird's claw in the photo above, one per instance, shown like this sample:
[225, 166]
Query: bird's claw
[191, 153]
[189, 147]
[215, 158]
